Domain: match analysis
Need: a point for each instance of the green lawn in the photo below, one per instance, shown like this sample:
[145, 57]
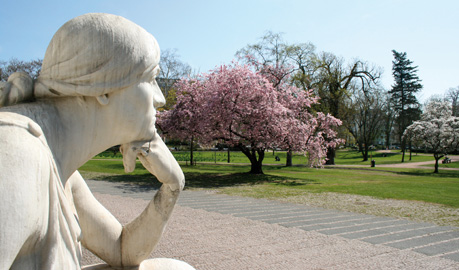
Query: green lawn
[406, 184]
[237, 157]
[347, 157]
[280, 181]
[448, 165]
[352, 157]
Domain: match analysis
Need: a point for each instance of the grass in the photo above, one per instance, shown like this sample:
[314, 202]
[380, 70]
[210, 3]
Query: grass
[279, 181]
[448, 165]
[221, 157]
[355, 158]
[407, 184]
[422, 195]
[349, 157]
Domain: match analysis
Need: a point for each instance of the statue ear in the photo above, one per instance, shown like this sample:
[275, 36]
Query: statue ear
[103, 99]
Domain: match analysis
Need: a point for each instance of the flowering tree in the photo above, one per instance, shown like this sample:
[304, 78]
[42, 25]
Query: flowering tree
[184, 121]
[308, 132]
[271, 58]
[242, 108]
[438, 130]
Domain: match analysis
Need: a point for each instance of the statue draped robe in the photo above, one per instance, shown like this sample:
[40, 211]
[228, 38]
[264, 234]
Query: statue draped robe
[55, 228]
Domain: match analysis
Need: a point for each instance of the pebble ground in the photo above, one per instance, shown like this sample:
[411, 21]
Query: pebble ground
[212, 231]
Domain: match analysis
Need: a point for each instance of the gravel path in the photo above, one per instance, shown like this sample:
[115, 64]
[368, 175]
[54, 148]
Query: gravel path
[413, 165]
[212, 231]
[419, 165]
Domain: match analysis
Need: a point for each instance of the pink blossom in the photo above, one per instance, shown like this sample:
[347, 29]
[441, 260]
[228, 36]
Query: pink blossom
[241, 107]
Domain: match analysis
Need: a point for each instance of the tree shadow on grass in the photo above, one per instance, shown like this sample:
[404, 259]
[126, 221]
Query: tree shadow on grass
[441, 174]
[207, 180]
[132, 182]
[147, 182]
[198, 180]
[412, 172]
[296, 183]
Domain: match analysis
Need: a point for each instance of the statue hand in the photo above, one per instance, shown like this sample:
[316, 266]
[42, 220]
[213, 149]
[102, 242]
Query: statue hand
[157, 159]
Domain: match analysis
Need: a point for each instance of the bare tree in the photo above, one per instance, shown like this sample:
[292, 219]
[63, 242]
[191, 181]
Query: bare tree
[366, 116]
[172, 69]
[269, 56]
[283, 59]
[301, 56]
[332, 79]
[389, 119]
[31, 67]
[453, 96]
[335, 83]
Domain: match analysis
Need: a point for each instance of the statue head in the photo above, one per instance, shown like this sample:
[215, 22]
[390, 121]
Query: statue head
[93, 55]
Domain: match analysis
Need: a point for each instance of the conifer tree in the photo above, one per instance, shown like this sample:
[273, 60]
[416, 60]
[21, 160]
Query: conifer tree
[407, 84]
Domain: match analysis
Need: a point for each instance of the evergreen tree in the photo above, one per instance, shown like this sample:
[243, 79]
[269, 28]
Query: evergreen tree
[405, 103]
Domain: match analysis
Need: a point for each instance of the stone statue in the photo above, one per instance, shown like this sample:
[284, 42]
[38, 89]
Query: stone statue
[96, 89]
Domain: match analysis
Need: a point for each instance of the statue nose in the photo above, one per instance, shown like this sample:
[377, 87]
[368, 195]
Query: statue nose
[158, 98]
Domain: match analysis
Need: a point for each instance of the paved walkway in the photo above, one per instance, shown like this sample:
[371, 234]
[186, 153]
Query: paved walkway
[355, 241]
[412, 165]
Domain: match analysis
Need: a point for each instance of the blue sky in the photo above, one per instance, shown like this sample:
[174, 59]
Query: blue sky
[208, 33]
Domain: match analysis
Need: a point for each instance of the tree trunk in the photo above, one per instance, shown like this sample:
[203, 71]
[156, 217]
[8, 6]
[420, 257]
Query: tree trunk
[330, 156]
[365, 153]
[256, 168]
[436, 165]
[403, 146]
[229, 158]
[289, 158]
[437, 158]
[360, 147]
[191, 151]
[256, 163]
[387, 140]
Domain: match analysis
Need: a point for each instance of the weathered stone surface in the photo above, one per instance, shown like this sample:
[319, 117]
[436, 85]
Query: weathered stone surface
[96, 89]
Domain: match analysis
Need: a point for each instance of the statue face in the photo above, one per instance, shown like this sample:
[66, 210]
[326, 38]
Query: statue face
[158, 97]
[137, 106]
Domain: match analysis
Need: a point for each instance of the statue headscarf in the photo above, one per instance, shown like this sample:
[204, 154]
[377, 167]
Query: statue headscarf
[90, 55]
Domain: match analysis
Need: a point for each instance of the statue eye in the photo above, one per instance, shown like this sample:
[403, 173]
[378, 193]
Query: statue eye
[156, 71]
